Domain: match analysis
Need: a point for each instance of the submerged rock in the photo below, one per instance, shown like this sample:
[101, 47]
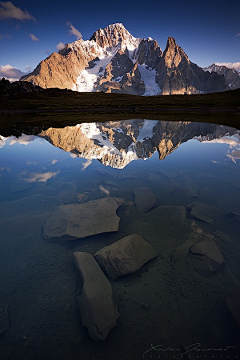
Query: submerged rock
[203, 212]
[76, 221]
[209, 258]
[235, 216]
[144, 199]
[125, 256]
[97, 308]
[189, 186]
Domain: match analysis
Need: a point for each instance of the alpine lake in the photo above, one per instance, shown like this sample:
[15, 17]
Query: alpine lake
[82, 188]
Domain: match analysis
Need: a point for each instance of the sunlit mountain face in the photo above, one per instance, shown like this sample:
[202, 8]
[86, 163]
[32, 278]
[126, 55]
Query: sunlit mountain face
[114, 61]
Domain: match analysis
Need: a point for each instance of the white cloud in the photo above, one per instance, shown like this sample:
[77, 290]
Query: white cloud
[86, 164]
[54, 162]
[41, 177]
[9, 11]
[104, 190]
[22, 140]
[238, 35]
[11, 73]
[230, 65]
[33, 37]
[232, 141]
[60, 46]
[74, 31]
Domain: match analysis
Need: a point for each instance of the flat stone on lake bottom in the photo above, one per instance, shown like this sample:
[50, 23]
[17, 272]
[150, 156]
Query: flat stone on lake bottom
[125, 256]
[235, 216]
[77, 221]
[97, 307]
[201, 211]
[211, 258]
[144, 199]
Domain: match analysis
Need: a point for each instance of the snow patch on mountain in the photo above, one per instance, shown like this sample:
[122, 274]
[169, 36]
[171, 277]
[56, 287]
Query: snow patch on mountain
[87, 78]
[148, 76]
[146, 132]
[122, 158]
[91, 131]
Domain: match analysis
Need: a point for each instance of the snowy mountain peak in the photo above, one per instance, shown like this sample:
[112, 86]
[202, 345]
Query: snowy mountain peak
[115, 61]
[115, 35]
[231, 75]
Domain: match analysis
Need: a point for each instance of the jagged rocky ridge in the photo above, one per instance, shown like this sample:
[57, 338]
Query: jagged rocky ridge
[232, 76]
[12, 89]
[117, 143]
[115, 61]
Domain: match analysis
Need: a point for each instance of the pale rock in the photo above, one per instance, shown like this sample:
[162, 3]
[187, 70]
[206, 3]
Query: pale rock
[125, 256]
[97, 306]
[75, 221]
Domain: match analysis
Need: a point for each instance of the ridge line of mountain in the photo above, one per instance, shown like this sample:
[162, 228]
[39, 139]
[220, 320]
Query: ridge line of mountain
[115, 61]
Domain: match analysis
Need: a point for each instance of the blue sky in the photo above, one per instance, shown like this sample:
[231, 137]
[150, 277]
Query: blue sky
[208, 31]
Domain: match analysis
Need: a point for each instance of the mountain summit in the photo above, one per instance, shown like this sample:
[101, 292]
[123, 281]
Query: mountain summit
[113, 60]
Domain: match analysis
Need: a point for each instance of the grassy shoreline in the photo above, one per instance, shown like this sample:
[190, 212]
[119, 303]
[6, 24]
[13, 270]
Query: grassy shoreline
[58, 108]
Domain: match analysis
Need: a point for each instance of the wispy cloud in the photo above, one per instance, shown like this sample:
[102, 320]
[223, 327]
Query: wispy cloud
[230, 65]
[238, 35]
[74, 31]
[40, 177]
[9, 11]
[22, 140]
[11, 73]
[33, 37]
[60, 46]
[86, 164]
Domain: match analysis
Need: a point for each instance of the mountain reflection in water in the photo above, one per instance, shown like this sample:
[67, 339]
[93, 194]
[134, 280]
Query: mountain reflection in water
[116, 144]
[186, 206]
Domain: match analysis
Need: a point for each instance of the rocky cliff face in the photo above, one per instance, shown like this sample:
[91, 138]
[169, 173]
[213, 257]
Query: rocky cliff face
[176, 74]
[231, 76]
[116, 144]
[115, 61]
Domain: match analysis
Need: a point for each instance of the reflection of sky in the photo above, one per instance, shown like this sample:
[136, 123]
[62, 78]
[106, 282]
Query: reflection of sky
[40, 161]
[40, 177]
[233, 143]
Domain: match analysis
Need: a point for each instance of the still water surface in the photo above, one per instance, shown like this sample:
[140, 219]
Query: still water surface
[183, 303]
